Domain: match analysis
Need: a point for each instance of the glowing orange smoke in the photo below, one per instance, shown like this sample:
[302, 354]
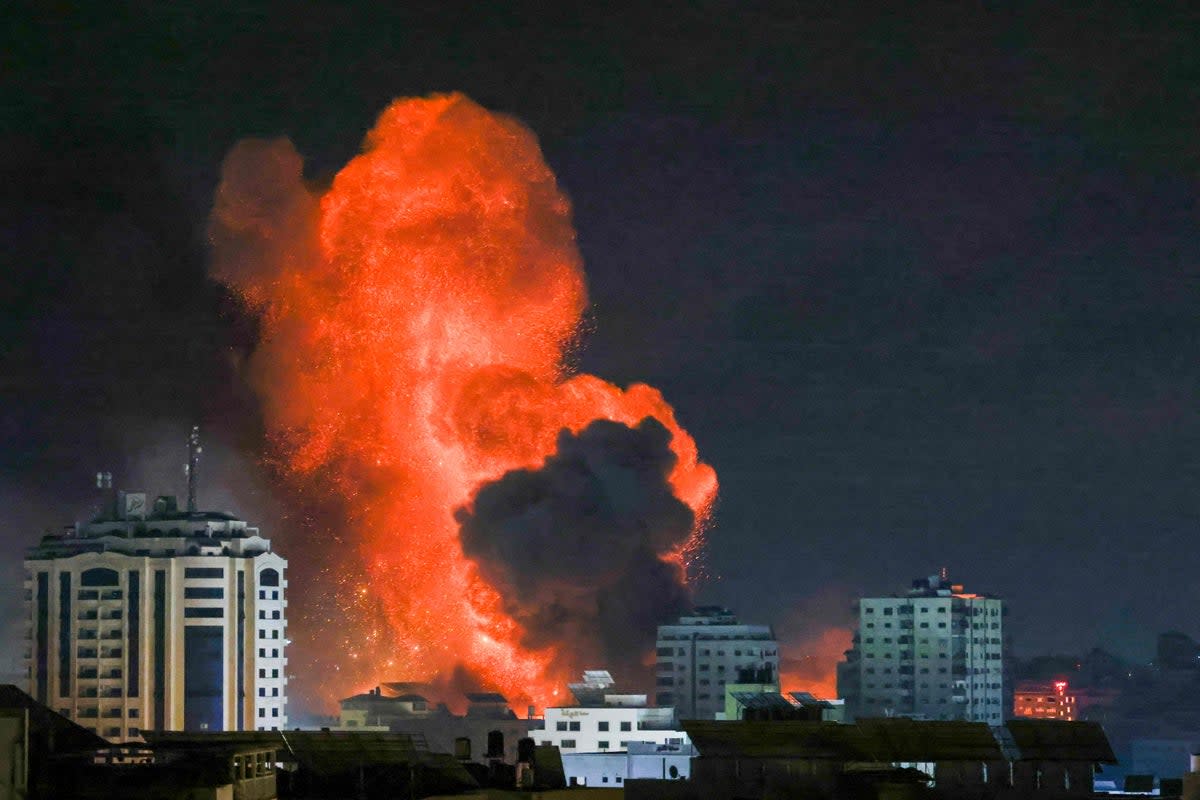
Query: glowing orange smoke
[810, 665]
[414, 323]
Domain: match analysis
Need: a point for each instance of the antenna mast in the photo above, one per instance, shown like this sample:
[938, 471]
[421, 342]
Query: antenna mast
[193, 463]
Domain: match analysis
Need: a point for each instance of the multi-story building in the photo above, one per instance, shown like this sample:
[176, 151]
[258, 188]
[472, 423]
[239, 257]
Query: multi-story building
[703, 652]
[606, 720]
[1039, 700]
[933, 653]
[151, 617]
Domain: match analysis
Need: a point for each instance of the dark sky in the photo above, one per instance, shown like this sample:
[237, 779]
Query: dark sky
[923, 284]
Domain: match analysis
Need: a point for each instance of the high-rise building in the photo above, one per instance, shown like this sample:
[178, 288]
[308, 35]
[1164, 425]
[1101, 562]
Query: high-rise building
[933, 653]
[698, 655]
[151, 617]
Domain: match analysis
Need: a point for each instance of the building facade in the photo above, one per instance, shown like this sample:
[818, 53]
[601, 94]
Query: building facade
[933, 653]
[699, 655]
[606, 720]
[151, 617]
[646, 761]
[1038, 700]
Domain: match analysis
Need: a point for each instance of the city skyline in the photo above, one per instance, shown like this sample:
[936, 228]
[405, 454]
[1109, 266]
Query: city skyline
[922, 290]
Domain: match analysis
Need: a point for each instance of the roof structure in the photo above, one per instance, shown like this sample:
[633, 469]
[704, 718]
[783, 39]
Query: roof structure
[1058, 740]
[778, 739]
[486, 697]
[66, 735]
[763, 700]
[897, 740]
[903, 739]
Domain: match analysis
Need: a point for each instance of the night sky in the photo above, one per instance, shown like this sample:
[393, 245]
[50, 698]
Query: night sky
[922, 284]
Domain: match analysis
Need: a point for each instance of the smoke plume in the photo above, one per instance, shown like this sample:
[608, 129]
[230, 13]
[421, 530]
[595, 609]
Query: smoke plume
[414, 319]
[576, 548]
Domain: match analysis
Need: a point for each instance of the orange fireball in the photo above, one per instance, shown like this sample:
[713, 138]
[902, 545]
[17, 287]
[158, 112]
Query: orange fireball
[414, 322]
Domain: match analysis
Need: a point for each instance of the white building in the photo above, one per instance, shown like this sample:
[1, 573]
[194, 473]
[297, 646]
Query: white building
[606, 720]
[934, 653]
[659, 761]
[153, 618]
[697, 656]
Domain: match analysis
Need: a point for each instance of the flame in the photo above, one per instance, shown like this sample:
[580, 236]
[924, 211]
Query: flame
[415, 321]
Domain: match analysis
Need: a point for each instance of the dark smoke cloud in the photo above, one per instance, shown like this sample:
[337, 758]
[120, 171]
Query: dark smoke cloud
[575, 547]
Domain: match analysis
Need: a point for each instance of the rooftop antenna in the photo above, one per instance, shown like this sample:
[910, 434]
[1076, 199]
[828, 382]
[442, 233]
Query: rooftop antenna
[194, 451]
[943, 573]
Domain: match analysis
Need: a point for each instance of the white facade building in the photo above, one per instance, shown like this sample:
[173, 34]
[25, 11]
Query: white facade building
[153, 618]
[606, 720]
[935, 653]
[703, 652]
[658, 761]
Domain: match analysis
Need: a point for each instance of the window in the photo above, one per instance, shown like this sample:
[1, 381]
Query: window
[626, 726]
[262, 712]
[262, 692]
[274, 615]
[274, 654]
[203, 613]
[204, 572]
[603, 744]
[275, 712]
[204, 593]
[567, 744]
[133, 713]
[574, 726]
[603, 726]
[562, 726]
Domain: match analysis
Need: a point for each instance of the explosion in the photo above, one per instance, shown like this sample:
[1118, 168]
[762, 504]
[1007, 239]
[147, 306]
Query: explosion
[415, 320]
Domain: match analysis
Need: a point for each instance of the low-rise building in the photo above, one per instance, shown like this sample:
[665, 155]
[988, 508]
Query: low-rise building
[606, 720]
[1045, 700]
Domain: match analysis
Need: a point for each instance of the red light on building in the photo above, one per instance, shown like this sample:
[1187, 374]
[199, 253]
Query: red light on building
[1044, 701]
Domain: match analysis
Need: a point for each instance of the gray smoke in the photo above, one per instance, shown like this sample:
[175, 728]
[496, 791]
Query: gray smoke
[575, 548]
